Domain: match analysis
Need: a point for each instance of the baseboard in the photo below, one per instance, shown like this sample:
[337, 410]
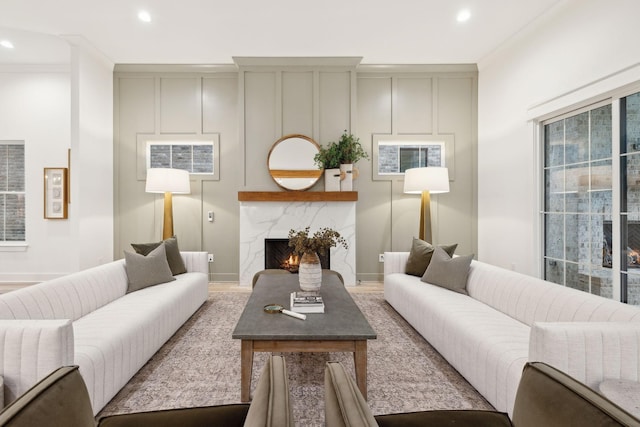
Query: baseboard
[370, 277]
[224, 277]
[28, 278]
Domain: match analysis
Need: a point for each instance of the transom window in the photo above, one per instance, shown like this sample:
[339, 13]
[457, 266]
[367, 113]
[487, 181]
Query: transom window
[396, 157]
[193, 156]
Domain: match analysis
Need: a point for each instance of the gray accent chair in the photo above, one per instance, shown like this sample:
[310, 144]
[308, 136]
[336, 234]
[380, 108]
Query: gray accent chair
[545, 397]
[61, 400]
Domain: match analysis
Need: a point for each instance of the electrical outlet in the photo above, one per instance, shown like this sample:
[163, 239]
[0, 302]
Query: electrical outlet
[381, 258]
[210, 257]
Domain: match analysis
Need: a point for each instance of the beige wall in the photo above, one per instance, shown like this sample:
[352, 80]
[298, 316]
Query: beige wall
[182, 105]
[429, 100]
[264, 99]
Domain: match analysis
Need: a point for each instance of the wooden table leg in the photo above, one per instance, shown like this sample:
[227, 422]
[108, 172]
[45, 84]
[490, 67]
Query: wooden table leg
[360, 362]
[246, 366]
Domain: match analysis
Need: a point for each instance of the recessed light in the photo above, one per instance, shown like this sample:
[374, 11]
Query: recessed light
[463, 15]
[7, 44]
[144, 16]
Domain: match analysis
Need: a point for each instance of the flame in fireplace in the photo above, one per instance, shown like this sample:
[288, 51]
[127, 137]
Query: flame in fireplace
[633, 257]
[291, 263]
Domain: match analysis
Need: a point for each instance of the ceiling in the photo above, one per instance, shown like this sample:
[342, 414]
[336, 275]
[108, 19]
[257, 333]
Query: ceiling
[214, 31]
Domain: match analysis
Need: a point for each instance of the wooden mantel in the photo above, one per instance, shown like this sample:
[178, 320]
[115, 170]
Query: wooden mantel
[297, 196]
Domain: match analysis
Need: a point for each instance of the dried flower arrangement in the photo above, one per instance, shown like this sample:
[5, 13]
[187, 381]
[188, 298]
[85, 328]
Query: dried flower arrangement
[320, 242]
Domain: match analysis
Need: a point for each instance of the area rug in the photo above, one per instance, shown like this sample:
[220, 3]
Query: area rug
[200, 366]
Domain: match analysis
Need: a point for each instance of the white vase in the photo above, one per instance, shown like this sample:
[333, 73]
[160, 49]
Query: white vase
[332, 179]
[347, 183]
[310, 272]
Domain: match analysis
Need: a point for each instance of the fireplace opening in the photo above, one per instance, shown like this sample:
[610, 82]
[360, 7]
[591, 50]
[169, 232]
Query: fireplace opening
[633, 244]
[278, 255]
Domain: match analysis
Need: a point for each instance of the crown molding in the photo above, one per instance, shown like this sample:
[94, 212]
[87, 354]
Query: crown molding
[286, 61]
[35, 68]
[417, 68]
[175, 68]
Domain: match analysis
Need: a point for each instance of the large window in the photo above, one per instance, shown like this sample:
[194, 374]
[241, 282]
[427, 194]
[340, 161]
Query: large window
[12, 192]
[578, 201]
[590, 243]
[630, 198]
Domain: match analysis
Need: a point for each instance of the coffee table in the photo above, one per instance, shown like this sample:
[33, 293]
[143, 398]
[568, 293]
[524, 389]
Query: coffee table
[341, 328]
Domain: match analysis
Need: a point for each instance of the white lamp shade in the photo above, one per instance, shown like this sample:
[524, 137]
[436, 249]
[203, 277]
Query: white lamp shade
[162, 180]
[432, 179]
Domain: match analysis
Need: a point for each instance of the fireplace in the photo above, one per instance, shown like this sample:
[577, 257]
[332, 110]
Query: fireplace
[260, 220]
[633, 244]
[278, 255]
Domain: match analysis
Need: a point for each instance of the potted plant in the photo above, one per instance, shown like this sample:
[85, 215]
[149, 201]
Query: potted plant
[350, 152]
[328, 158]
[350, 149]
[310, 270]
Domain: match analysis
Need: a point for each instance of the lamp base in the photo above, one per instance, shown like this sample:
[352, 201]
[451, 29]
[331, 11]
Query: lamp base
[167, 223]
[425, 217]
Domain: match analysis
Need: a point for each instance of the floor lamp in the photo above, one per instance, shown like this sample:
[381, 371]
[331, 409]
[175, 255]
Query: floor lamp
[167, 181]
[426, 181]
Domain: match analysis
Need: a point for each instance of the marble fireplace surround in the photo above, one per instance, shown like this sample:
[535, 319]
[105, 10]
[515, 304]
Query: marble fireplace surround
[265, 215]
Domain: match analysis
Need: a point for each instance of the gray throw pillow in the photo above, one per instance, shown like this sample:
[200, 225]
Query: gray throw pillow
[144, 271]
[420, 256]
[448, 272]
[176, 264]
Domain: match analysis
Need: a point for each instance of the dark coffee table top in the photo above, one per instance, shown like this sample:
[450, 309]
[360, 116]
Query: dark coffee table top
[341, 320]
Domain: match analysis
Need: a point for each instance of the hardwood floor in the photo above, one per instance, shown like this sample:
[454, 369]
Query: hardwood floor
[362, 287]
[7, 287]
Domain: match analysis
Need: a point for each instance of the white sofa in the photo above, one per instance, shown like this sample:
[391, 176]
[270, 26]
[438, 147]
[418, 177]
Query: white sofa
[508, 319]
[88, 319]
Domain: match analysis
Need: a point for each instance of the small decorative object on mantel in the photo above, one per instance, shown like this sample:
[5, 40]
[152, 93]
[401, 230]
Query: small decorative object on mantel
[350, 152]
[328, 158]
[332, 178]
[310, 270]
[343, 155]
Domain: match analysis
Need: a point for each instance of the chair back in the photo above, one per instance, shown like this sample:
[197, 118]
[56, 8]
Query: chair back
[548, 397]
[270, 406]
[59, 400]
[344, 405]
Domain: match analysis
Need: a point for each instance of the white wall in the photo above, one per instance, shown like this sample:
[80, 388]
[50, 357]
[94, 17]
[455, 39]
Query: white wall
[54, 108]
[35, 107]
[92, 154]
[567, 55]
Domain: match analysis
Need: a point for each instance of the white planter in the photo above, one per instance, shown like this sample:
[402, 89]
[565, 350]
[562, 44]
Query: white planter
[310, 272]
[347, 183]
[332, 179]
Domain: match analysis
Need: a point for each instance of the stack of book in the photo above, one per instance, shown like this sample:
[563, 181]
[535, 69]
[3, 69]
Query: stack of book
[307, 302]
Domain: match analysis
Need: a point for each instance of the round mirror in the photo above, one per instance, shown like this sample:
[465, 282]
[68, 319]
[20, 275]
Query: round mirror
[291, 162]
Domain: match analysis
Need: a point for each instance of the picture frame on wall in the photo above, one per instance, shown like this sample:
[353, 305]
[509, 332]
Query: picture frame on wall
[55, 193]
